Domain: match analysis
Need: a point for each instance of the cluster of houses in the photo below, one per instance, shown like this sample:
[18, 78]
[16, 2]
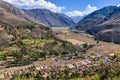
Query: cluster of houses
[57, 64]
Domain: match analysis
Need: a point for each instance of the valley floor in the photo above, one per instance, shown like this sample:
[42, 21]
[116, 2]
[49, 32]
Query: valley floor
[100, 48]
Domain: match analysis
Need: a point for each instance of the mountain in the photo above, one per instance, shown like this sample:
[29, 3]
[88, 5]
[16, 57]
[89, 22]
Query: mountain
[104, 24]
[10, 18]
[13, 10]
[12, 15]
[109, 30]
[94, 18]
[77, 18]
[50, 18]
[16, 11]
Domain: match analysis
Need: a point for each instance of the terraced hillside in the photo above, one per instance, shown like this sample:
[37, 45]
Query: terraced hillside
[23, 42]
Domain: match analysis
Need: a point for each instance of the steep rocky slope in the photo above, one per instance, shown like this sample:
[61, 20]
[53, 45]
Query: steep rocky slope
[110, 29]
[104, 24]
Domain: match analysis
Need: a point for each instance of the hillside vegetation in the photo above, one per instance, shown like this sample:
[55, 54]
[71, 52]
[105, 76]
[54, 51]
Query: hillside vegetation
[23, 41]
[30, 43]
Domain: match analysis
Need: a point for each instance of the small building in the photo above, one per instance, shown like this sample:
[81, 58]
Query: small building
[70, 66]
[112, 55]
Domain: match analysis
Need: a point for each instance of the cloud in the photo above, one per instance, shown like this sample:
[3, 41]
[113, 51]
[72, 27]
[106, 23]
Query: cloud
[32, 4]
[74, 13]
[89, 9]
[118, 5]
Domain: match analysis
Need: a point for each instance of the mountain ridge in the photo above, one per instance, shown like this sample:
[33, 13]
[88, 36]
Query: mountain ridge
[50, 18]
[102, 24]
[94, 18]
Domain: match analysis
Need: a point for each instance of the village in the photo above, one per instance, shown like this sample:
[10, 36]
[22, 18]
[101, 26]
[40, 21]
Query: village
[58, 64]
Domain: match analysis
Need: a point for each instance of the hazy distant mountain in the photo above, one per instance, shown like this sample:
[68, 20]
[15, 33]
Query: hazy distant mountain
[103, 23]
[50, 18]
[77, 18]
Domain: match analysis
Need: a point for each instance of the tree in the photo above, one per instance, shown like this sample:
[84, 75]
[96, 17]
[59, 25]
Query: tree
[66, 72]
[48, 78]
[39, 76]
[85, 45]
[74, 75]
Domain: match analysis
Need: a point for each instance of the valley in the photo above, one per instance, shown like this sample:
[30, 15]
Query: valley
[39, 41]
[81, 38]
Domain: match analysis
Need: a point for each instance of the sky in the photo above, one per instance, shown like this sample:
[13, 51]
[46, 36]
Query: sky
[71, 8]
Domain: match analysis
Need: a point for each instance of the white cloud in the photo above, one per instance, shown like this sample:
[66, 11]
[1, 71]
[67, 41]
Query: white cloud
[118, 5]
[30, 4]
[88, 10]
[74, 13]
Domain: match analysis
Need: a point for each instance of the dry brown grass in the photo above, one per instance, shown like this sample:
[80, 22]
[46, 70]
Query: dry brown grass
[101, 48]
[11, 19]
